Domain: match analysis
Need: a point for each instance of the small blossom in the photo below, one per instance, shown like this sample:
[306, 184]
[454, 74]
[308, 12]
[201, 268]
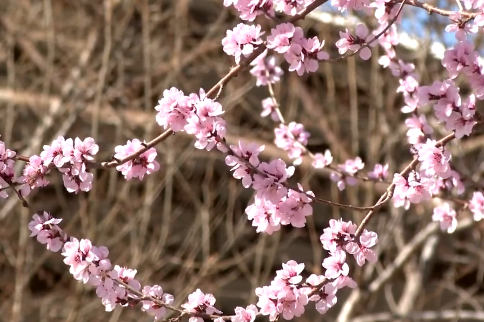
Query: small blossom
[354, 43]
[245, 315]
[476, 205]
[446, 216]
[380, 172]
[322, 160]
[145, 163]
[150, 307]
[336, 265]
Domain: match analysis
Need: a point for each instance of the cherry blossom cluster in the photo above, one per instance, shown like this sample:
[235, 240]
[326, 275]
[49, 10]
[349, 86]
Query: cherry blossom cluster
[346, 173]
[195, 114]
[339, 238]
[287, 296]
[274, 204]
[301, 53]
[293, 139]
[250, 9]
[458, 115]
[90, 265]
[143, 164]
[199, 302]
[446, 216]
[72, 158]
[87, 263]
[434, 174]
[69, 156]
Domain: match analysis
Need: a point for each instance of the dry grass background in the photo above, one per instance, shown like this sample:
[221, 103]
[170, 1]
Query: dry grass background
[83, 68]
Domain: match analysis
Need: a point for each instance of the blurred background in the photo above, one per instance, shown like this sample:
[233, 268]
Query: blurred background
[89, 68]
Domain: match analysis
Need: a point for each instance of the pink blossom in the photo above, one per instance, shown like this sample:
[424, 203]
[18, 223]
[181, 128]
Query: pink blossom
[343, 5]
[344, 281]
[199, 302]
[77, 178]
[59, 152]
[46, 229]
[266, 70]
[291, 302]
[446, 216]
[34, 172]
[293, 139]
[85, 150]
[401, 69]
[385, 11]
[245, 315]
[408, 85]
[145, 163]
[126, 275]
[476, 205]
[354, 43]
[280, 38]
[249, 9]
[336, 264]
[70, 157]
[337, 235]
[77, 255]
[420, 187]
[454, 181]
[461, 26]
[352, 166]
[292, 7]
[290, 272]
[445, 94]
[303, 55]
[476, 81]
[150, 307]
[462, 120]
[362, 251]
[411, 102]
[7, 172]
[264, 216]
[248, 152]
[322, 160]
[389, 38]
[473, 4]
[325, 297]
[400, 193]
[173, 109]
[242, 40]
[460, 58]
[434, 160]
[295, 208]
[380, 172]
[269, 107]
[269, 183]
[267, 300]
[418, 129]
[347, 172]
[206, 124]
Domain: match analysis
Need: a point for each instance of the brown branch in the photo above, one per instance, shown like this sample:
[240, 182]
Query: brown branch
[431, 9]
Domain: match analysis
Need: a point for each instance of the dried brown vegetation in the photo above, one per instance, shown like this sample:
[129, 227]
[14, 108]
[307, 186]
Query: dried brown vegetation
[81, 68]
